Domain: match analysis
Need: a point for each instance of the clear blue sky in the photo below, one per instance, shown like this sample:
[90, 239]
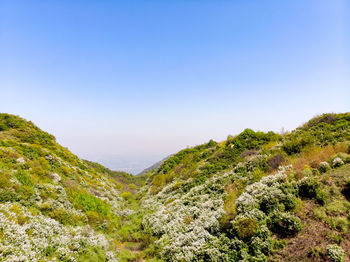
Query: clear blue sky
[129, 82]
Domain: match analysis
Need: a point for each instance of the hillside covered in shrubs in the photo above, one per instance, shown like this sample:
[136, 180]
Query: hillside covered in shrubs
[253, 197]
[53, 205]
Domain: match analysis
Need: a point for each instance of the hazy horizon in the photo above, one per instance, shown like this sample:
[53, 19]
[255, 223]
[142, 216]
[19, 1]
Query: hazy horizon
[127, 84]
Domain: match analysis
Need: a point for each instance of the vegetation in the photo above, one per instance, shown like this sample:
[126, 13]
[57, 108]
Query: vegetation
[253, 197]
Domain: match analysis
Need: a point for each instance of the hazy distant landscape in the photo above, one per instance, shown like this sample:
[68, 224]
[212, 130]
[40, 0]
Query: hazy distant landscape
[134, 166]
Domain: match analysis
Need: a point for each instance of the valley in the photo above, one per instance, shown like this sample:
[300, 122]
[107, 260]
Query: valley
[254, 197]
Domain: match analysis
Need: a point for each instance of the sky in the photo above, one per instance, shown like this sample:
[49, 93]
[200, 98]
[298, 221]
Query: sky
[126, 83]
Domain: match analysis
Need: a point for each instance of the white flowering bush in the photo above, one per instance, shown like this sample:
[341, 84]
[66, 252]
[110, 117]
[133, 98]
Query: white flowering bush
[265, 203]
[335, 253]
[187, 219]
[324, 167]
[337, 162]
[345, 157]
[186, 224]
[29, 237]
[270, 193]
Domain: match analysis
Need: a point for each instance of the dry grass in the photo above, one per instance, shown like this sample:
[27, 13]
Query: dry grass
[229, 205]
[314, 155]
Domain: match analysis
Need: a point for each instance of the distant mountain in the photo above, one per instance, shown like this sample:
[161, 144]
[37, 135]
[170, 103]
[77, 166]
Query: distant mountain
[155, 166]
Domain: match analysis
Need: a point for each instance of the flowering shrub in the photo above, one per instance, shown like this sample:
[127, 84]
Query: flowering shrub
[188, 223]
[324, 167]
[35, 237]
[337, 162]
[183, 238]
[187, 220]
[266, 202]
[344, 157]
[335, 253]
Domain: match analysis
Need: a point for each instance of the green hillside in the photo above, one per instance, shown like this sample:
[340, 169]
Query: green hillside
[55, 206]
[253, 197]
[256, 197]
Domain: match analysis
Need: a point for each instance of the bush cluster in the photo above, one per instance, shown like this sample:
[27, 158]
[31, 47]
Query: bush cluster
[310, 187]
[335, 253]
[285, 223]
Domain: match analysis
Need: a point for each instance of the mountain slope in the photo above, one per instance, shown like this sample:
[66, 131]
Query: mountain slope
[155, 166]
[246, 198]
[53, 205]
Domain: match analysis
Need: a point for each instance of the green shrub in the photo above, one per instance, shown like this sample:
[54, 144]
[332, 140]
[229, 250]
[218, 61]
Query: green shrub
[89, 202]
[49, 251]
[338, 207]
[247, 227]
[45, 207]
[3, 127]
[345, 157]
[157, 183]
[310, 187]
[11, 121]
[5, 180]
[92, 254]
[118, 186]
[23, 177]
[229, 205]
[8, 195]
[127, 195]
[257, 174]
[270, 203]
[321, 197]
[177, 185]
[290, 201]
[278, 244]
[132, 186]
[24, 193]
[32, 151]
[320, 214]
[342, 224]
[296, 145]
[284, 223]
[94, 217]
[127, 256]
[61, 216]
